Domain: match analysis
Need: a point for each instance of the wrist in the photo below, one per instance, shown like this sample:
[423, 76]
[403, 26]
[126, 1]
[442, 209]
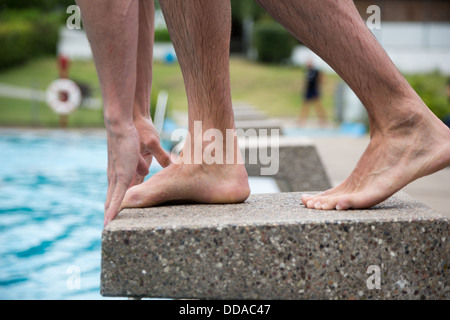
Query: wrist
[118, 125]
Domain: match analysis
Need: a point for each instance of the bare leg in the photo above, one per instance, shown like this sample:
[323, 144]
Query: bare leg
[114, 50]
[320, 111]
[200, 32]
[407, 140]
[112, 28]
[304, 112]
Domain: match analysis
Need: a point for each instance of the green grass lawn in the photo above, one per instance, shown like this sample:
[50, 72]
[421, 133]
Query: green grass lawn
[14, 112]
[274, 89]
[38, 74]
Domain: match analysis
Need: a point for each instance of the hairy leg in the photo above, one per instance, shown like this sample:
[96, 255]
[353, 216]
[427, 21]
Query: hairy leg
[200, 32]
[112, 30]
[407, 140]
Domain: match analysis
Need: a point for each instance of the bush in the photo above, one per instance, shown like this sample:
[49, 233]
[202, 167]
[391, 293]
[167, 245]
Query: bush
[43, 5]
[162, 35]
[273, 43]
[27, 33]
[153, 101]
[46, 30]
[432, 89]
[16, 43]
[241, 9]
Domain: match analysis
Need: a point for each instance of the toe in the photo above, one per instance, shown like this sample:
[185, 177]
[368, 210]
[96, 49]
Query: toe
[329, 203]
[310, 204]
[305, 198]
[343, 203]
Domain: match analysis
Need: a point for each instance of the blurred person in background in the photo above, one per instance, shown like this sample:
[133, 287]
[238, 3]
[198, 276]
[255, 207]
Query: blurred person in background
[312, 94]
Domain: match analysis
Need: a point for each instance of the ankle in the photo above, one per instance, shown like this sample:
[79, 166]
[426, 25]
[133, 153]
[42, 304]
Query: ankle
[405, 118]
[211, 146]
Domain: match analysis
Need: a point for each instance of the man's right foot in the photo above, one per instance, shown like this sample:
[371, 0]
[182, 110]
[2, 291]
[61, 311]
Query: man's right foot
[390, 162]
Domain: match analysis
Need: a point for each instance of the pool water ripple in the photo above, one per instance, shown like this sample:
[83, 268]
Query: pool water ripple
[52, 188]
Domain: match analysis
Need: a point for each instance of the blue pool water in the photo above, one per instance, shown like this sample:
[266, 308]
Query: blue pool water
[343, 130]
[52, 188]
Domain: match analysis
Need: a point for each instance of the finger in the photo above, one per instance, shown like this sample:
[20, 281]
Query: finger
[138, 180]
[111, 186]
[161, 156]
[116, 200]
[148, 157]
[109, 175]
[135, 178]
[109, 193]
[142, 167]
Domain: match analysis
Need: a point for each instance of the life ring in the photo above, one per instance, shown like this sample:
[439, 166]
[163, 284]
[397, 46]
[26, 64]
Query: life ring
[63, 96]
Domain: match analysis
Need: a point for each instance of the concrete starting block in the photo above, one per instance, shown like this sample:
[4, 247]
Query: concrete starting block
[266, 125]
[296, 162]
[272, 247]
[243, 106]
[243, 115]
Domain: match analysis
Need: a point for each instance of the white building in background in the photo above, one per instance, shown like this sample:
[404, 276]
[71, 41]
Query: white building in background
[414, 33]
[417, 46]
[74, 44]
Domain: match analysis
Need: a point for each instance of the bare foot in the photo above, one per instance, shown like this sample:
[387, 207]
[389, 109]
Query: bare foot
[191, 183]
[188, 182]
[419, 147]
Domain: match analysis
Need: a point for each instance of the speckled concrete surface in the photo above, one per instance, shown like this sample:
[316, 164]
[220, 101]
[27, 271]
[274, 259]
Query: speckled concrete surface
[299, 165]
[272, 247]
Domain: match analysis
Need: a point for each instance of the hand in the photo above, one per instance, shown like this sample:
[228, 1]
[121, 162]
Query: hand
[149, 145]
[124, 162]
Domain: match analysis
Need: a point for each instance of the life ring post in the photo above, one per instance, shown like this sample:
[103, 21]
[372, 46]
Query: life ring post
[63, 97]
[63, 120]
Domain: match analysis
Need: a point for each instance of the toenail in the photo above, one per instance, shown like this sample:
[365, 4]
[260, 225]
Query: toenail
[310, 203]
[317, 205]
[338, 207]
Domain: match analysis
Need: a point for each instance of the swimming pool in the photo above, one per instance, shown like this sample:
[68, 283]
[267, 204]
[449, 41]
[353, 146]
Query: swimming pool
[52, 187]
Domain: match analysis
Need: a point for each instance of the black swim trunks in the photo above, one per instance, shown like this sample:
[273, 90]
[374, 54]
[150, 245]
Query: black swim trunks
[312, 84]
